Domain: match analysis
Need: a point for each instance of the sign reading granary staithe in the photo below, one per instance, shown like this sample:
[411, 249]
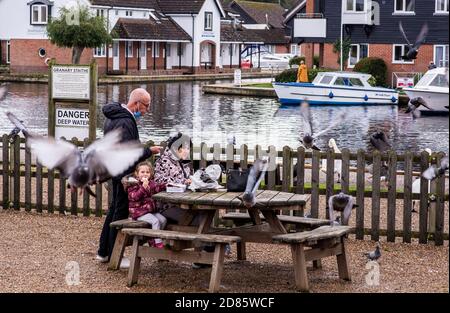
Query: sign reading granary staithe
[71, 82]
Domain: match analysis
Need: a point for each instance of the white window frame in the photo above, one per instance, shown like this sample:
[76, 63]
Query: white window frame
[40, 20]
[358, 53]
[445, 11]
[168, 50]
[353, 10]
[394, 61]
[8, 52]
[128, 13]
[292, 48]
[155, 46]
[100, 52]
[101, 12]
[208, 21]
[403, 11]
[130, 47]
[446, 47]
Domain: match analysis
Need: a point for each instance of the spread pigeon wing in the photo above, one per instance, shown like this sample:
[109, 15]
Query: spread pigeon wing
[306, 115]
[421, 37]
[339, 120]
[52, 153]
[400, 25]
[113, 160]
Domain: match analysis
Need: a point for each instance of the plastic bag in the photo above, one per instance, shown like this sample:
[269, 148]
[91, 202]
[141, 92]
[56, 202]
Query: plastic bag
[206, 179]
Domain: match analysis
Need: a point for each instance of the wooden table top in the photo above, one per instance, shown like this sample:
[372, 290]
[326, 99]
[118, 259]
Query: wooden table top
[264, 199]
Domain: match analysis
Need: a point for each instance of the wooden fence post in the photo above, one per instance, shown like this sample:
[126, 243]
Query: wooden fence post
[407, 197]
[345, 175]
[203, 155]
[392, 196]
[287, 166]
[329, 178]
[315, 184]
[86, 208]
[300, 188]
[5, 170]
[271, 175]
[27, 179]
[376, 176]
[440, 198]
[423, 211]
[16, 171]
[360, 183]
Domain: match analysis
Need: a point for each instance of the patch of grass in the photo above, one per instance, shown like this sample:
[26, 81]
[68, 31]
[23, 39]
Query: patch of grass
[261, 85]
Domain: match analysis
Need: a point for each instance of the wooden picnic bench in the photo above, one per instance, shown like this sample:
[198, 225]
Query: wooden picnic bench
[323, 242]
[300, 223]
[122, 240]
[176, 252]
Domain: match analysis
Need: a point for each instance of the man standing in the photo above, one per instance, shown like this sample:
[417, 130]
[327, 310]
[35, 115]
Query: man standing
[431, 65]
[123, 117]
[302, 74]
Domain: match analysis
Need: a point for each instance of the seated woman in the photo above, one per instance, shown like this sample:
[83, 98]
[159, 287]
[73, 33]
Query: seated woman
[172, 167]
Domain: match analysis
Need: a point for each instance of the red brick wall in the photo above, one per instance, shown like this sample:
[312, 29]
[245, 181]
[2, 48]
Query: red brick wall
[385, 52]
[309, 6]
[281, 49]
[25, 57]
[3, 51]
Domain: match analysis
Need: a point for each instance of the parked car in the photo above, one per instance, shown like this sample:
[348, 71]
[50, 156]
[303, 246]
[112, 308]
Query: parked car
[268, 60]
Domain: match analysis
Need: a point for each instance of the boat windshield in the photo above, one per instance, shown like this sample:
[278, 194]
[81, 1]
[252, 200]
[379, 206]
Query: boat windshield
[326, 79]
[439, 81]
[425, 80]
[346, 81]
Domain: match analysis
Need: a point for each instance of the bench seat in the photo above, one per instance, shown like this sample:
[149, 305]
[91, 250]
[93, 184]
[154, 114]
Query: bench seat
[174, 253]
[323, 242]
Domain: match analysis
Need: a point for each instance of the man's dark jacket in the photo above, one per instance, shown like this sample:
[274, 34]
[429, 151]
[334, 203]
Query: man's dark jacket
[119, 117]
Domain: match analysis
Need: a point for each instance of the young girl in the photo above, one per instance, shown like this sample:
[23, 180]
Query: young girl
[141, 205]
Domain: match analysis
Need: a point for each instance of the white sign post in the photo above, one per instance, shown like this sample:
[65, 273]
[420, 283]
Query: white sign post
[71, 82]
[237, 77]
[405, 82]
[72, 105]
[72, 123]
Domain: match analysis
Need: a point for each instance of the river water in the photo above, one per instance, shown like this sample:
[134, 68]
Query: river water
[181, 106]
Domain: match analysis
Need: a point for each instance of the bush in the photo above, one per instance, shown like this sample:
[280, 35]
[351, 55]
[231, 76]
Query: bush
[296, 60]
[375, 67]
[290, 75]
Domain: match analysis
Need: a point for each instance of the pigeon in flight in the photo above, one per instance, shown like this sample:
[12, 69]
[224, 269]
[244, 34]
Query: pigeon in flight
[433, 171]
[231, 139]
[413, 48]
[308, 135]
[341, 203]
[379, 141]
[414, 104]
[255, 176]
[2, 91]
[103, 159]
[337, 162]
[374, 255]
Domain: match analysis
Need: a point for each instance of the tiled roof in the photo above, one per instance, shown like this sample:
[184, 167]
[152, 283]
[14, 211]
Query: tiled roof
[180, 6]
[144, 4]
[149, 29]
[228, 33]
[255, 12]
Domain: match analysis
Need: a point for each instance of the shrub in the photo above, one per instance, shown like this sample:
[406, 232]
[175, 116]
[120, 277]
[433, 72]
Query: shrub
[375, 67]
[296, 60]
[290, 75]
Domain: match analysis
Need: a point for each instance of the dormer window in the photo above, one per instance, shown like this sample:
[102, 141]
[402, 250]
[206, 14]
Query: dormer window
[208, 21]
[405, 6]
[355, 5]
[128, 13]
[40, 11]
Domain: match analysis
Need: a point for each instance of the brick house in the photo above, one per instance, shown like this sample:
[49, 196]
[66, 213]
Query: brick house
[373, 30]
[154, 36]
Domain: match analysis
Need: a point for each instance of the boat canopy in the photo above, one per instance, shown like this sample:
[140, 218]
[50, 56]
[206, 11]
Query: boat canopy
[342, 79]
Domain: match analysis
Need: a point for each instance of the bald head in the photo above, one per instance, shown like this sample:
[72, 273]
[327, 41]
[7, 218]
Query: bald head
[139, 100]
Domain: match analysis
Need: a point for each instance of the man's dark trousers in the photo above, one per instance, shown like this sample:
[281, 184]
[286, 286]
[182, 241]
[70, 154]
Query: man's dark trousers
[118, 210]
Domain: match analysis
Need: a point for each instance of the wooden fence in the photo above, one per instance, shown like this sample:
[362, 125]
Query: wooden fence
[49, 193]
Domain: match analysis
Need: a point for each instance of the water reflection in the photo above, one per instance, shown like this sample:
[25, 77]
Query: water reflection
[183, 107]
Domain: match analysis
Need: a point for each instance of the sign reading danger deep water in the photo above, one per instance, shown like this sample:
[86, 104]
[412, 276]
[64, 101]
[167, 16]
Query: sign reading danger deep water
[72, 117]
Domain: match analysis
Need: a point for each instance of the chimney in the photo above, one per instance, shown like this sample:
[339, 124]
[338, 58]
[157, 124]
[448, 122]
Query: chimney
[310, 6]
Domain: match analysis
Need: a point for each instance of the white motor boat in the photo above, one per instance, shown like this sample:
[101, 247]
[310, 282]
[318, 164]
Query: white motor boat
[340, 88]
[433, 88]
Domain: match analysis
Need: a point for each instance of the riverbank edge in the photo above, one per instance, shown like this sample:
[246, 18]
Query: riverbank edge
[43, 79]
[247, 90]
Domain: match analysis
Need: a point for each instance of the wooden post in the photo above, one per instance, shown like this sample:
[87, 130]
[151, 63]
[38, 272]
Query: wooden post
[315, 184]
[216, 153]
[360, 182]
[330, 178]
[93, 101]
[287, 168]
[98, 200]
[244, 157]
[230, 156]
[423, 211]
[376, 173]
[74, 195]
[86, 209]
[5, 170]
[407, 197]
[16, 171]
[439, 214]
[51, 102]
[39, 187]
[217, 268]
[299, 260]
[345, 175]
[300, 188]
[203, 155]
[51, 191]
[272, 168]
[392, 193]
[27, 178]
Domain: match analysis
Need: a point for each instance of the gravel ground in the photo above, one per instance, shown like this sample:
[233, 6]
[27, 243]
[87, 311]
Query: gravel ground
[37, 250]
